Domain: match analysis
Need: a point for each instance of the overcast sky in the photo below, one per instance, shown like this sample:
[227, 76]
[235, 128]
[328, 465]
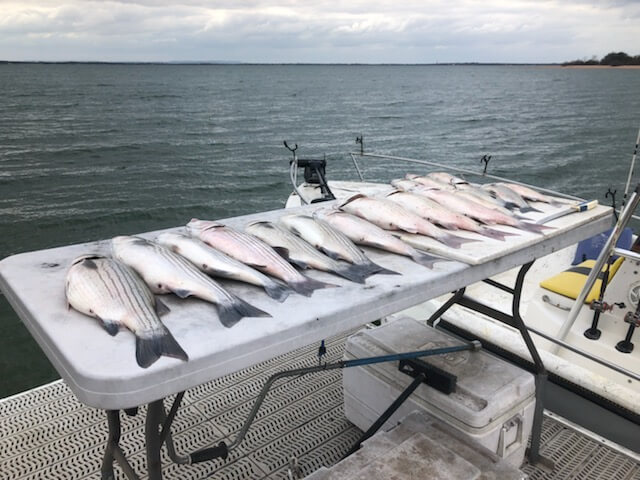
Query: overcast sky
[383, 31]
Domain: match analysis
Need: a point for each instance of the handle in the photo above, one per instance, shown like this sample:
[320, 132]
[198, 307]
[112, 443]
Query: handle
[584, 206]
[206, 454]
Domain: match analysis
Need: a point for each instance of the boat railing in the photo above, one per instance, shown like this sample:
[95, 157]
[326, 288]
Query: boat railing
[454, 169]
[587, 355]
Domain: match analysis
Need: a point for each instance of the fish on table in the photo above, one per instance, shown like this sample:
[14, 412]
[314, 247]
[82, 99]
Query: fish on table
[404, 184]
[167, 272]
[110, 291]
[436, 213]
[427, 182]
[215, 263]
[533, 195]
[333, 243]
[254, 252]
[299, 252]
[509, 195]
[362, 232]
[479, 212]
[391, 216]
[446, 178]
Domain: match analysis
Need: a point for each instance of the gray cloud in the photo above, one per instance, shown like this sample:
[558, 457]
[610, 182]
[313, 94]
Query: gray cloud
[324, 31]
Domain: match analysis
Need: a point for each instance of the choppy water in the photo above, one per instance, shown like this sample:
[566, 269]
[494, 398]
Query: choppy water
[90, 151]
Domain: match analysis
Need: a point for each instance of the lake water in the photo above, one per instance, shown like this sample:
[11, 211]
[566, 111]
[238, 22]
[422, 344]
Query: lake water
[91, 151]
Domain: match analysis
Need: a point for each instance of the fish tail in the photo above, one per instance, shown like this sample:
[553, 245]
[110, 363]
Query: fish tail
[455, 241]
[533, 227]
[529, 209]
[148, 350]
[368, 269]
[229, 314]
[425, 259]
[351, 272]
[277, 291]
[495, 234]
[307, 286]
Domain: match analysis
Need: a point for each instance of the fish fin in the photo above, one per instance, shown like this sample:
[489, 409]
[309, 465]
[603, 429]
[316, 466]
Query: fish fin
[256, 266]
[393, 192]
[368, 269]
[455, 241]
[510, 205]
[277, 291]
[352, 198]
[426, 260]
[299, 263]
[350, 272]
[409, 230]
[529, 209]
[88, 263]
[492, 233]
[283, 252]
[261, 222]
[329, 253]
[307, 286]
[533, 227]
[148, 350]
[181, 292]
[230, 314]
[111, 327]
[161, 308]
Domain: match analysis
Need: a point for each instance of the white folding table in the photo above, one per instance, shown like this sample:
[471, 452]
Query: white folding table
[102, 371]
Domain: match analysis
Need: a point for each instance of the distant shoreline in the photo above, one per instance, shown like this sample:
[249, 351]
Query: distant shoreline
[624, 67]
[232, 63]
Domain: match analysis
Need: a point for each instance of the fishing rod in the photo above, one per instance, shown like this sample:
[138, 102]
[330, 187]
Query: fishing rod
[633, 162]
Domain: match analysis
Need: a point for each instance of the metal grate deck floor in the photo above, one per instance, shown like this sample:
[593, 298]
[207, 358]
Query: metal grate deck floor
[46, 433]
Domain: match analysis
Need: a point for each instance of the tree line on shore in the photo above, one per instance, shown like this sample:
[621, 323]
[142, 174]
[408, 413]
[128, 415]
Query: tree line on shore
[614, 59]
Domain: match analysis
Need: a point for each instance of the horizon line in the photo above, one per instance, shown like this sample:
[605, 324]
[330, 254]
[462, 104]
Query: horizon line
[231, 62]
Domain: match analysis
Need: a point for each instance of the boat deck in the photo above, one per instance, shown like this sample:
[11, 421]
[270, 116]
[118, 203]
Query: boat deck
[47, 433]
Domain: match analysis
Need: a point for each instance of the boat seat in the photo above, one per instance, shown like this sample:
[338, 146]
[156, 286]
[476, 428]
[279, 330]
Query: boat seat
[570, 282]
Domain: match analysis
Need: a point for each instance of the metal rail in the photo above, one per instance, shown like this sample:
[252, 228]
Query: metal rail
[460, 170]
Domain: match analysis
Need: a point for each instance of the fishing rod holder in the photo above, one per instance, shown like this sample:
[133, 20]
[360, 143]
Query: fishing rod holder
[314, 174]
[485, 159]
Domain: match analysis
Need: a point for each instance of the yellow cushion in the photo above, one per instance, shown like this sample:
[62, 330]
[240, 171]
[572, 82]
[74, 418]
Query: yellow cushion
[570, 282]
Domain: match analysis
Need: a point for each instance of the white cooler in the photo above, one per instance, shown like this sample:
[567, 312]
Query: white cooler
[493, 403]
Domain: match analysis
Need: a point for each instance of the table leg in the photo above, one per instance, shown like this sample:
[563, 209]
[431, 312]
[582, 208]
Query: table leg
[113, 420]
[155, 418]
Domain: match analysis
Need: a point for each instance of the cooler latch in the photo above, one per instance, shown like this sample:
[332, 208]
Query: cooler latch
[517, 420]
[435, 377]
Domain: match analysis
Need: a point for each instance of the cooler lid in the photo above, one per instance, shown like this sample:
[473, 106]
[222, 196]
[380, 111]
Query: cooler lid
[486, 388]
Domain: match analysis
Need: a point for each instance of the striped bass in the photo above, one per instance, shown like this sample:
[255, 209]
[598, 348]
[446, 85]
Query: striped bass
[332, 242]
[479, 212]
[509, 195]
[168, 272]
[428, 182]
[530, 194]
[486, 197]
[404, 184]
[299, 252]
[253, 252]
[366, 233]
[113, 293]
[446, 178]
[436, 213]
[214, 262]
[391, 216]
[482, 200]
